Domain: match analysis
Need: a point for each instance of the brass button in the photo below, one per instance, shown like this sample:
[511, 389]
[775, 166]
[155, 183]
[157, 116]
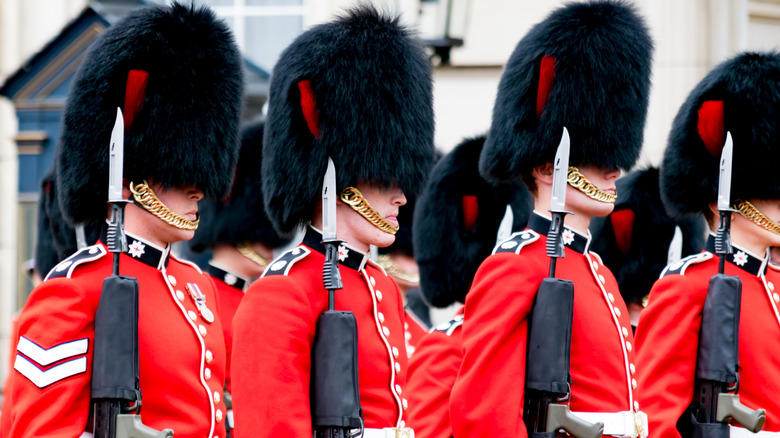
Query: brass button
[379, 296]
[218, 415]
[193, 316]
[636, 405]
[381, 317]
[625, 331]
[633, 383]
[601, 279]
[611, 297]
[404, 403]
[217, 397]
[172, 280]
[180, 295]
[395, 352]
[209, 356]
[632, 368]
[397, 367]
[202, 330]
[372, 280]
[617, 311]
[207, 373]
[386, 331]
[398, 389]
[628, 346]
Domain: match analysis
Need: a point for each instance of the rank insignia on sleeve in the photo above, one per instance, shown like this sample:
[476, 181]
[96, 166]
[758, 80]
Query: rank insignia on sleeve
[282, 264]
[680, 266]
[33, 361]
[516, 242]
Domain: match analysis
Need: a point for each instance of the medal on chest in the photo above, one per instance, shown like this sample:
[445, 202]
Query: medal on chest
[199, 298]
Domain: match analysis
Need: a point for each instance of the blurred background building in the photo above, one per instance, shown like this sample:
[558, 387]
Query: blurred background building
[43, 41]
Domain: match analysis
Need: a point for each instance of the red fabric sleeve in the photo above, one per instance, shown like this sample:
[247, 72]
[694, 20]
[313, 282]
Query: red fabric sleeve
[432, 372]
[57, 312]
[667, 341]
[487, 399]
[273, 333]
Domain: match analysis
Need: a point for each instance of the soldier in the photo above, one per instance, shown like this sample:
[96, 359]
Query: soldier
[635, 256]
[239, 235]
[357, 90]
[585, 68]
[740, 96]
[456, 224]
[176, 73]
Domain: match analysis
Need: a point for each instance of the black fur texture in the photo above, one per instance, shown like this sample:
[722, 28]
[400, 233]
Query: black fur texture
[373, 91]
[56, 239]
[651, 235]
[448, 254]
[749, 86]
[187, 130]
[240, 217]
[600, 93]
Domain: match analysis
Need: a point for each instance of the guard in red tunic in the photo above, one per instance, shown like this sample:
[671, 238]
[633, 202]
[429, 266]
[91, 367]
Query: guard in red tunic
[457, 223]
[740, 97]
[637, 257]
[356, 90]
[238, 233]
[585, 68]
[176, 74]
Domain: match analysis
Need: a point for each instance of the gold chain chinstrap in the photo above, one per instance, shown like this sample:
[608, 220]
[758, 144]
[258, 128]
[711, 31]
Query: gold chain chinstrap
[247, 251]
[352, 197]
[386, 262]
[144, 195]
[579, 182]
[750, 212]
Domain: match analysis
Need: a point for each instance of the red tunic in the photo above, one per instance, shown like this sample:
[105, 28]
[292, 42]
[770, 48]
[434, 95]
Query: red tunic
[274, 333]
[230, 291]
[668, 337]
[182, 355]
[487, 399]
[432, 372]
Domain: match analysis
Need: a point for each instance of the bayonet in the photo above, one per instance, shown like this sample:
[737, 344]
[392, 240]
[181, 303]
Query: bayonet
[116, 241]
[330, 271]
[558, 201]
[723, 236]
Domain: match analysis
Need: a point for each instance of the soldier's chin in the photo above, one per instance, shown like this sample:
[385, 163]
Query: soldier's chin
[383, 239]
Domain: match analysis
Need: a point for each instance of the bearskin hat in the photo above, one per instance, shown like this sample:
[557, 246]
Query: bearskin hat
[56, 239]
[358, 90]
[586, 67]
[240, 217]
[456, 221]
[741, 96]
[634, 240]
[176, 73]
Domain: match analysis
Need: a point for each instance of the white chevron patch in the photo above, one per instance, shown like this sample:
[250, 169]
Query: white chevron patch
[42, 378]
[56, 353]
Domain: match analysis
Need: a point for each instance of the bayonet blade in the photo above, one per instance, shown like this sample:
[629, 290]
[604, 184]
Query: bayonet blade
[724, 177]
[329, 202]
[560, 174]
[116, 159]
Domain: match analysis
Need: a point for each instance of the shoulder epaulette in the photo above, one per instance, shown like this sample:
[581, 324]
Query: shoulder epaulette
[516, 242]
[450, 326]
[65, 268]
[680, 266]
[282, 264]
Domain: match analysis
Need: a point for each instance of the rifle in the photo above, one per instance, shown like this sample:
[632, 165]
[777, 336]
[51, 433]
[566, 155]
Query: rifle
[335, 391]
[547, 379]
[116, 393]
[715, 400]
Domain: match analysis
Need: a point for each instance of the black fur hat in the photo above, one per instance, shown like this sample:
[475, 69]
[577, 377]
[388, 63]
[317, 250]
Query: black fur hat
[586, 67]
[741, 96]
[56, 239]
[240, 217]
[357, 89]
[177, 75]
[634, 241]
[456, 221]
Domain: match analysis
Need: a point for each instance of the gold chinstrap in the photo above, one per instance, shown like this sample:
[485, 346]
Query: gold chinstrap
[247, 251]
[352, 197]
[144, 195]
[581, 183]
[386, 262]
[749, 211]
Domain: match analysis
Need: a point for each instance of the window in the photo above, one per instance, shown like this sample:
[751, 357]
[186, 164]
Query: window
[263, 28]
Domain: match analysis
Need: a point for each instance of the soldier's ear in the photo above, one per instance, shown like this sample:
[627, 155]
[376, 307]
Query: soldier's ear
[623, 228]
[543, 173]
